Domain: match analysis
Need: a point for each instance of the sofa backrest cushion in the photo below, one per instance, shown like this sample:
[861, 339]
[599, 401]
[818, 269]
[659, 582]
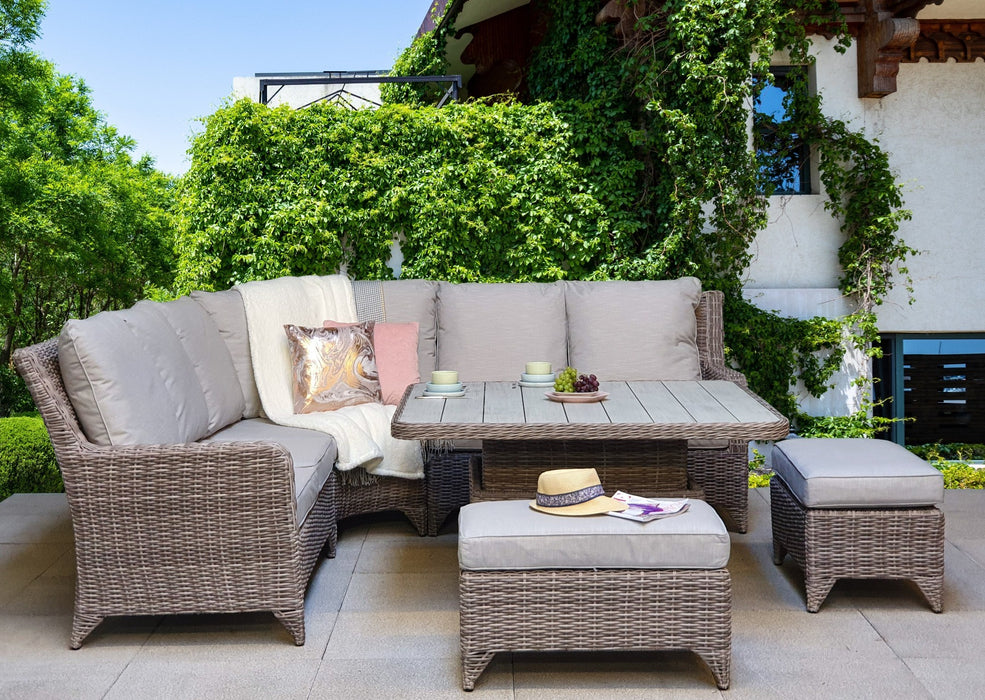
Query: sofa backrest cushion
[130, 380]
[213, 365]
[402, 301]
[489, 331]
[634, 330]
[228, 314]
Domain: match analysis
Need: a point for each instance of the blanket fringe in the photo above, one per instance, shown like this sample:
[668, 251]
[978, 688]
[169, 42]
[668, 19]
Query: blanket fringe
[356, 477]
[435, 448]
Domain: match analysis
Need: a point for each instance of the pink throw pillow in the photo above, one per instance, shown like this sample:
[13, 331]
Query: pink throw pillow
[395, 346]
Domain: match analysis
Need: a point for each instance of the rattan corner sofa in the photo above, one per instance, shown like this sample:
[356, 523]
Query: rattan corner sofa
[229, 512]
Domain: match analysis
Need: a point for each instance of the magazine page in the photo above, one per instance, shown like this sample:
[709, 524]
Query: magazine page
[646, 509]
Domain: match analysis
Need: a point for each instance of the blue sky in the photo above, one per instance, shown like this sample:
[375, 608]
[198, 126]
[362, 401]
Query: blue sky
[155, 66]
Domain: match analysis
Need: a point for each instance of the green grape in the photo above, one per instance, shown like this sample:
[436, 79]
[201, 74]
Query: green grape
[565, 381]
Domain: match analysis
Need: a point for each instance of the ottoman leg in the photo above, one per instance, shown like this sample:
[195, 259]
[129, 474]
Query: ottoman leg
[818, 588]
[473, 664]
[779, 551]
[932, 588]
[720, 663]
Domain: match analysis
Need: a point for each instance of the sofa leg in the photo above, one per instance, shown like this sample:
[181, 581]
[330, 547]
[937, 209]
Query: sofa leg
[293, 620]
[473, 664]
[82, 626]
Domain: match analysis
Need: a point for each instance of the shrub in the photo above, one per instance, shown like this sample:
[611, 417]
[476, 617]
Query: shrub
[948, 451]
[27, 461]
[961, 476]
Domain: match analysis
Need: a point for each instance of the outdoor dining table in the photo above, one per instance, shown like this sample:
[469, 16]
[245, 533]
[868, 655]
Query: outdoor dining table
[637, 437]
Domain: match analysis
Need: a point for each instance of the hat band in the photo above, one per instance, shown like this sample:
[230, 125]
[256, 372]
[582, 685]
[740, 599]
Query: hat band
[571, 498]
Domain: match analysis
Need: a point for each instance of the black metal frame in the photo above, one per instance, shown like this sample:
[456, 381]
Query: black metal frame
[282, 80]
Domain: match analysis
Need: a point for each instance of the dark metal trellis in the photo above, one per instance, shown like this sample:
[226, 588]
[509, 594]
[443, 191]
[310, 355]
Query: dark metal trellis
[272, 83]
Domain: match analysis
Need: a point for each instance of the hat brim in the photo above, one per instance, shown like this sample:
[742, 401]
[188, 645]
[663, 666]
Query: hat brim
[599, 504]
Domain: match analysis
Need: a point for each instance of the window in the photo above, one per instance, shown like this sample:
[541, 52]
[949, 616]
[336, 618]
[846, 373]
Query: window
[784, 158]
[936, 380]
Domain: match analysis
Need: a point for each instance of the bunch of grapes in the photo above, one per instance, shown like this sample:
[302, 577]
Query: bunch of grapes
[587, 383]
[568, 380]
[565, 381]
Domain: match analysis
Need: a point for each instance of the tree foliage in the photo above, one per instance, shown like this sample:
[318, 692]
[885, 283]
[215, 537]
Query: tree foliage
[83, 227]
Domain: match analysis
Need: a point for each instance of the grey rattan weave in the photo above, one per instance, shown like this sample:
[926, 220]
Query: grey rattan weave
[647, 482]
[383, 493]
[169, 529]
[447, 486]
[881, 543]
[595, 609]
[723, 475]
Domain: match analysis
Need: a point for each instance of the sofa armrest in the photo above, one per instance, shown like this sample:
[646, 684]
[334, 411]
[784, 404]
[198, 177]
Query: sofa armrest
[710, 371]
[193, 516]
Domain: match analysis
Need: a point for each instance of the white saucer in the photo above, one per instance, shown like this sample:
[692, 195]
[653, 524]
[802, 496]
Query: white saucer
[444, 394]
[537, 385]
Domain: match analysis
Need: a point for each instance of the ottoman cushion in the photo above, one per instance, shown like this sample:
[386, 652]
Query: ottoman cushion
[856, 473]
[498, 535]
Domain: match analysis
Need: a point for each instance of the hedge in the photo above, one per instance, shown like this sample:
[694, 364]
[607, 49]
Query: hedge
[27, 461]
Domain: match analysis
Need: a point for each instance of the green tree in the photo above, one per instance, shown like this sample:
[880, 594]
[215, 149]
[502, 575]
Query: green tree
[83, 226]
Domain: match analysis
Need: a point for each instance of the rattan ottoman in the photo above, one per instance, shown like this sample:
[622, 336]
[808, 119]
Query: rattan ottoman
[536, 582]
[857, 509]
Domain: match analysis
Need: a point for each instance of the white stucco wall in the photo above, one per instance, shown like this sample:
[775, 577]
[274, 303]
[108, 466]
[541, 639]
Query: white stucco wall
[933, 129]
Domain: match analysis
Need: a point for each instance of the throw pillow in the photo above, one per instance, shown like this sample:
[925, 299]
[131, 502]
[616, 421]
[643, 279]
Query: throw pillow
[333, 367]
[395, 346]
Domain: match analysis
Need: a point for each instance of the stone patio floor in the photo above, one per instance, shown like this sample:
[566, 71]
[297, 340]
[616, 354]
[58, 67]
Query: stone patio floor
[382, 622]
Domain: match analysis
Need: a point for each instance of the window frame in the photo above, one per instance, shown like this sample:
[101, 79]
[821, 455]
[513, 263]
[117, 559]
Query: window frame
[807, 171]
[890, 384]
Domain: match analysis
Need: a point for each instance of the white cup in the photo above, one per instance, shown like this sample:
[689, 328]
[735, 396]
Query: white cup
[538, 368]
[444, 376]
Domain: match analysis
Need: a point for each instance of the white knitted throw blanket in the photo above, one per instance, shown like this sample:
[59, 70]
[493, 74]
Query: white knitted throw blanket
[362, 432]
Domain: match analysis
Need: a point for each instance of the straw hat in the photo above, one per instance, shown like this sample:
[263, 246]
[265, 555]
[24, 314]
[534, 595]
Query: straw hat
[573, 492]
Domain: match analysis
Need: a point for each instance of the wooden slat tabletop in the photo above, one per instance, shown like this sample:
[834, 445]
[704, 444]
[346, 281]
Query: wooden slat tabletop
[672, 410]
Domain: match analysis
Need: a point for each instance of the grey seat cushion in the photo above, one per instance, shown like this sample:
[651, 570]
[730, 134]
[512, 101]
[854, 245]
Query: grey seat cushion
[130, 380]
[488, 332]
[497, 535]
[313, 454]
[856, 472]
[229, 315]
[634, 330]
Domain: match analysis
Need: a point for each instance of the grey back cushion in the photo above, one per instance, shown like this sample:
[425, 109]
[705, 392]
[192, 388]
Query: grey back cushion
[130, 380]
[402, 301]
[489, 331]
[634, 330]
[229, 315]
[213, 365]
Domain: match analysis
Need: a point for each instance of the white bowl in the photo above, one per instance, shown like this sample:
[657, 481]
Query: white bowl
[536, 378]
[444, 388]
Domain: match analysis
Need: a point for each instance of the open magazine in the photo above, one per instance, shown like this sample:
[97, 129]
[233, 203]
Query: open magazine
[646, 509]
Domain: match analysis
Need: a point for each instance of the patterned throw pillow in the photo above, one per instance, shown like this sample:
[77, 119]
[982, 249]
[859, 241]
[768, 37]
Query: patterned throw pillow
[395, 347]
[333, 367]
